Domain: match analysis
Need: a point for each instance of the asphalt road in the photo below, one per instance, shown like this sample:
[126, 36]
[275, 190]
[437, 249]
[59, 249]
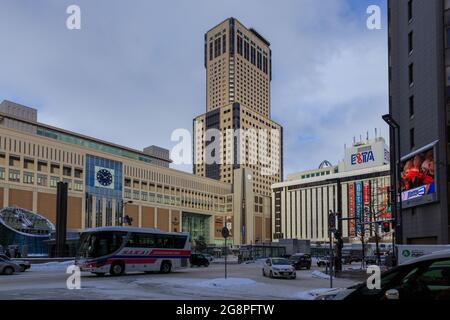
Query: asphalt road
[183, 284]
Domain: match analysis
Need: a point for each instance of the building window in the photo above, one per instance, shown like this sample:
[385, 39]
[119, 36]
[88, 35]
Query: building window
[224, 43]
[246, 50]
[14, 161]
[410, 42]
[411, 138]
[210, 51]
[78, 173]
[239, 45]
[28, 164]
[67, 171]
[54, 169]
[14, 175]
[42, 180]
[253, 55]
[410, 10]
[2, 173]
[42, 166]
[411, 106]
[127, 193]
[54, 182]
[411, 74]
[78, 185]
[28, 178]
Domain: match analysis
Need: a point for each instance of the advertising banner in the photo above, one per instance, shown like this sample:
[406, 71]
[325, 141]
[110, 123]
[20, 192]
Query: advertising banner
[358, 206]
[418, 177]
[351, 210]
[366, 202]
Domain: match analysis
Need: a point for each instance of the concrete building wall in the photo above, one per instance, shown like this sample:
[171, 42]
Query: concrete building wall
[428, 223]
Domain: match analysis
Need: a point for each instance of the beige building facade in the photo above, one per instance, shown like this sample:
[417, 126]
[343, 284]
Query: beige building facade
[106, 181]
[236, 137]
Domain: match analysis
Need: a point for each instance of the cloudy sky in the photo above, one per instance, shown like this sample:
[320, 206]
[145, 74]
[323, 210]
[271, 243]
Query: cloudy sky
[134, 72]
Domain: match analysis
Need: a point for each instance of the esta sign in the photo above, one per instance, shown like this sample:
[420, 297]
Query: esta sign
[362, 157]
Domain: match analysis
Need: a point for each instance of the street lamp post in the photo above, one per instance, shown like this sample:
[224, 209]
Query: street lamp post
[396, 177]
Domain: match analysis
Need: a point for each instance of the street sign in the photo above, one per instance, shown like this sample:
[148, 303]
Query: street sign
[225, 232]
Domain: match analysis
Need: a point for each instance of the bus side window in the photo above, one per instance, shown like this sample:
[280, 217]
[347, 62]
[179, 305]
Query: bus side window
[179, 242]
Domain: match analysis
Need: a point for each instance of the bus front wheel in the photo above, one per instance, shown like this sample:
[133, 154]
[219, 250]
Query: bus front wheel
[117, 269]
[166, 267]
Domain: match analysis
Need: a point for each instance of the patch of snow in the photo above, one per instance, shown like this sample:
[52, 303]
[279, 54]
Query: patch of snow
[226, 283]
[320, 275]
[311, 294]
[52, 265]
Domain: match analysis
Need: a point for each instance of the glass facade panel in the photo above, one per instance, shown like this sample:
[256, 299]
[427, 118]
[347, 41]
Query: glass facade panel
[103, 195]
[197, 225]
[94, 145]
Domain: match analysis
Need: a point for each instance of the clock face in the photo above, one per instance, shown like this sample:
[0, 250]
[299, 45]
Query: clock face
[104, 177]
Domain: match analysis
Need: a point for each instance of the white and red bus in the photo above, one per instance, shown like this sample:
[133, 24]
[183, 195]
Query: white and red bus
[116, 250]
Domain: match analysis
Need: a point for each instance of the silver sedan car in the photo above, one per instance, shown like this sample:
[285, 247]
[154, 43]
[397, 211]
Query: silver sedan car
[279, 268]
[8, 267]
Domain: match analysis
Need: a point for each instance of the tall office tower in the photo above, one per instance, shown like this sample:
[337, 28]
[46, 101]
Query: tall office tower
[235, 141]
[419, 82]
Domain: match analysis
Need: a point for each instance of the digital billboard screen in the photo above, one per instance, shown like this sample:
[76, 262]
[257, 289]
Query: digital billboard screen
[418, 177]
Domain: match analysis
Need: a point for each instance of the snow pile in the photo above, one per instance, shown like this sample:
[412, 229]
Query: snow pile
[52, 265]
[226, 283]
[320, 275]
[311, 294]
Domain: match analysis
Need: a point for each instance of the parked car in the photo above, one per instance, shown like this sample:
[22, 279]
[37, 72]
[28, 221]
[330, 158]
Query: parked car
[278, 267]
[199, 260]
[301, 260]
[209, 257]
[349, 259]
[323, 261]
[8, 267]
[24, 265]
[423, 278]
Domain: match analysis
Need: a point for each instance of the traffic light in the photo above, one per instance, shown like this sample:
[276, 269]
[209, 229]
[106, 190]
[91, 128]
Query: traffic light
[386, 226]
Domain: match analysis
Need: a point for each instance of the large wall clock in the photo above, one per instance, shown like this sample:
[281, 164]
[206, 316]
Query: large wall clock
[104, 177]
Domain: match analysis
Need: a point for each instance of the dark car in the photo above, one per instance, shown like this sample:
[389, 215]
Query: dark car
[24, 265]
[199, 260]
[423, 278]
[300, 261]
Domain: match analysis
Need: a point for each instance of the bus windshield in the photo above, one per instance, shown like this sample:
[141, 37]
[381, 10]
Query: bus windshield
[98, 244]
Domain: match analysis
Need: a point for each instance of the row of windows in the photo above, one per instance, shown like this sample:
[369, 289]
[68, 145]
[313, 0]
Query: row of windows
[39, 179]
[145, 240]
[40, 151]
[251, 54]
[41, 166]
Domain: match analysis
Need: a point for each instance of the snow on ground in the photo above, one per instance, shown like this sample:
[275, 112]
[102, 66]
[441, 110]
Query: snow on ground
[52, 265]
[320, 275]
[311, 294]
[226, 283]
